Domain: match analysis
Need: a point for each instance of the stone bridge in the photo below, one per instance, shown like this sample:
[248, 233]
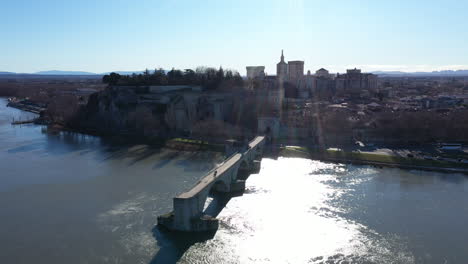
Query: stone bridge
[229, 177]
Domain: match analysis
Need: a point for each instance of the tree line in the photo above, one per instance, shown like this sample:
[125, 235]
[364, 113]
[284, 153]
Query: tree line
[207, 77]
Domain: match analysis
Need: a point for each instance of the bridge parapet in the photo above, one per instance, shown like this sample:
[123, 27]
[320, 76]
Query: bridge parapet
[188, 206]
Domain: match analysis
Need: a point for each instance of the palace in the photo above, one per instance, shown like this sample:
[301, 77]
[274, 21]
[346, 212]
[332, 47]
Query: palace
[291, 79]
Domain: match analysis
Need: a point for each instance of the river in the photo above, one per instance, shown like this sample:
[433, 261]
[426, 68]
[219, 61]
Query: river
[71, 198]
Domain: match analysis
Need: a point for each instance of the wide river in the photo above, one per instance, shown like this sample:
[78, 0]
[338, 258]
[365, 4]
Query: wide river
[70, 198]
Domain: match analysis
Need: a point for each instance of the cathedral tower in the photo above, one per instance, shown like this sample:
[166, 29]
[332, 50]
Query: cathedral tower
[282, 69]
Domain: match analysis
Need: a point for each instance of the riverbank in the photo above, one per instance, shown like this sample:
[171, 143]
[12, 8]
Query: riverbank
[23, 122]
[193, 145]
[26, 105]
[379, 160]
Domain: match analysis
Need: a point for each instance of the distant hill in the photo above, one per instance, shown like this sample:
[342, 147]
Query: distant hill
[458, 72]
[54, 72]
[88, 73]
[422, 74]
[125, 72]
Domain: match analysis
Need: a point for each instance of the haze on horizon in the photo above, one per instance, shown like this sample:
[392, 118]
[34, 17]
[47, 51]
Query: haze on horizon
[103, 36]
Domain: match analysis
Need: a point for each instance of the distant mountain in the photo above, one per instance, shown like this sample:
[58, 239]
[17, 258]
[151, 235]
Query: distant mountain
[428, 74]
[55, 72]
[64, 73]
[458, 72]
[389, 72]
[86, 73]
[125, 72]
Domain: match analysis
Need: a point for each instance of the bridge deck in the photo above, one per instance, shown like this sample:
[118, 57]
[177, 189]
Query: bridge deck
[256, 141]
[210, 178]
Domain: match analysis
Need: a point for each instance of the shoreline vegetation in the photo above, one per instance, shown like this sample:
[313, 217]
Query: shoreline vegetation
[26, 105]
[186, 144]
[374, 159]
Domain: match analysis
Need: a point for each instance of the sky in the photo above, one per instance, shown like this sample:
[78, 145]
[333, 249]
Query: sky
[104, 35]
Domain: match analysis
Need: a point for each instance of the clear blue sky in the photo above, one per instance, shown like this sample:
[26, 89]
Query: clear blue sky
[105, 35]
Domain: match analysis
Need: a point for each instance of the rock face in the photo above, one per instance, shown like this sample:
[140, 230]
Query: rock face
[159, 111]
[124, 110]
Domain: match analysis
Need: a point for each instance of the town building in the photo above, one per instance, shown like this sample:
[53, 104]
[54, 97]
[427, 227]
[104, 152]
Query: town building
[295, 71]
[306, 86]
[322, 73]
[354, 82]
[255, 72]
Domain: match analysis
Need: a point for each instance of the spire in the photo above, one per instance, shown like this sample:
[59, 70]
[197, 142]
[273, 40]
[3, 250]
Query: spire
[282, 56]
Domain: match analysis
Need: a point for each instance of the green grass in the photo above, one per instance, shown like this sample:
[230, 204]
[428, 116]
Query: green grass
[203, 145]
[296, 151]
[382, 158]
[191, 141]
[304, 149]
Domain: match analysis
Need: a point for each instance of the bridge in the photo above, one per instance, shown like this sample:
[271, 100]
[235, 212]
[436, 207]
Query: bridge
[229, 177]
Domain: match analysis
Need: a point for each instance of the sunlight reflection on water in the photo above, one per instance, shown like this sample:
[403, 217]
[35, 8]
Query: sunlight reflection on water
[289, 215]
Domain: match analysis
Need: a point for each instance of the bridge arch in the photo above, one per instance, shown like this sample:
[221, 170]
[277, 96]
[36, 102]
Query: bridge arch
[244, 165]
[220, 186]
[243, 171]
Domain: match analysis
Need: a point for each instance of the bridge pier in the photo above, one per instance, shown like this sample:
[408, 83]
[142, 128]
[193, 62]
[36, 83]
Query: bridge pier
[238, 186]
[188, 215]
[256, 166]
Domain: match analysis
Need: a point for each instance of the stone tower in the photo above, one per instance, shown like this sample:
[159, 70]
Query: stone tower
[296, 71]
[282, 69]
